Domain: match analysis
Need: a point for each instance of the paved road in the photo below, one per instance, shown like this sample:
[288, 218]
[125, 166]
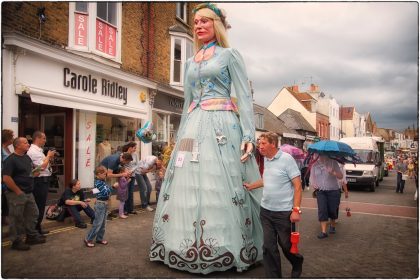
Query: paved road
[379, 240]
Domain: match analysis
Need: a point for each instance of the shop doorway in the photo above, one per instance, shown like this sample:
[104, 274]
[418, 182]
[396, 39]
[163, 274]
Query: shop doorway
[57, 123]
[53, 124]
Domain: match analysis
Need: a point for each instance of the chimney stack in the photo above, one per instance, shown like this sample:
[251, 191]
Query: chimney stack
[314, 88]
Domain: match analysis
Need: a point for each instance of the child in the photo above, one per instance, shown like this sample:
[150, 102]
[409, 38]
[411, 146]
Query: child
[122, 192]
[74, 200]
[410, 168]
[102, 192]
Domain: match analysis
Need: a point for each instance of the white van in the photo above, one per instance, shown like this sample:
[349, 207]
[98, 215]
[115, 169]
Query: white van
[368, 172]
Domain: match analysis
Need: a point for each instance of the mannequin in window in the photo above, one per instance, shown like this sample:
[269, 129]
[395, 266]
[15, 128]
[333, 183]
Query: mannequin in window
[104, 150]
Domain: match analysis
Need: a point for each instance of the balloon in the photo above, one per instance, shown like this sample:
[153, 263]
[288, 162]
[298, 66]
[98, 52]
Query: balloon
[146, 134]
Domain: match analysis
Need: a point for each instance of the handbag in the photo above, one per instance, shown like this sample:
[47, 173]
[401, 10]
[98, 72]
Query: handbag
[53, 211]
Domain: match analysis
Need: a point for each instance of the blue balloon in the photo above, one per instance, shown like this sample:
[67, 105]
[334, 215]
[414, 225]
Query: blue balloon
[146, 134]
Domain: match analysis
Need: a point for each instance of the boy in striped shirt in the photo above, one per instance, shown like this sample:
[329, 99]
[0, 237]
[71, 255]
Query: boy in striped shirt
[102, 191]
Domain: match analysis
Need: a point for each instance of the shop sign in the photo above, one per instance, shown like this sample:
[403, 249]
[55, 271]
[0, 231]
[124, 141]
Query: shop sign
[89, 84]
[81, 29]
[176, 103]
[168, 103]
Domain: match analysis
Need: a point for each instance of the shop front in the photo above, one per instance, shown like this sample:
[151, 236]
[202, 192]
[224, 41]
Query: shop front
[87, 109]
[166, 116]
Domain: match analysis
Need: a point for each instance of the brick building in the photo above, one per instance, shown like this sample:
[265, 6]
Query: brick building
[90, 74]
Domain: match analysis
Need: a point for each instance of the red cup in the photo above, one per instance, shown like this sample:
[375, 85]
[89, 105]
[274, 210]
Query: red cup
[294, 239]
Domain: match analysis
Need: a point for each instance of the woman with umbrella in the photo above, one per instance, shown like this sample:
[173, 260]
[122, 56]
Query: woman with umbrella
[325, 178]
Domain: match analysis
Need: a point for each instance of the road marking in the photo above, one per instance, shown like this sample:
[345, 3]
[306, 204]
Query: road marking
[368, 203]
[61, 229]
[55, 231]
[366, 213]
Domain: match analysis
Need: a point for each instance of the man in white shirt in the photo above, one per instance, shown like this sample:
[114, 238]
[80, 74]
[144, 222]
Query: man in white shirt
[42, 182]
[280, 205]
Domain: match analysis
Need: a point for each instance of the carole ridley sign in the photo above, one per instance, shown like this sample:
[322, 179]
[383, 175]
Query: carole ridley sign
[89, 84]
[86, 148]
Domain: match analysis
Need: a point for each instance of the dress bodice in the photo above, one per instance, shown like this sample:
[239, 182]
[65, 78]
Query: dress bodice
[223, 76]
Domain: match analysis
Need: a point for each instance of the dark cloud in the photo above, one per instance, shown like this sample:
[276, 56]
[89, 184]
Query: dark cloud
[364, 54]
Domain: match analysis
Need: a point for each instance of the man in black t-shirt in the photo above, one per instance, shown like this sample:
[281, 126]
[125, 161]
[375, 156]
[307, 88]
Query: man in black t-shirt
[74, 200]
[18, 177]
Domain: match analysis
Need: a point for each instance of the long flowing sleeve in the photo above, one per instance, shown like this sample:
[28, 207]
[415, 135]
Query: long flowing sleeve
[239, 77]
[187, 96]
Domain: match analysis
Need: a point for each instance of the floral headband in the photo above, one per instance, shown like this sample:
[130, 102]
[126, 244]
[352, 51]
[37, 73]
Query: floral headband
[210, 6]
[219, 12]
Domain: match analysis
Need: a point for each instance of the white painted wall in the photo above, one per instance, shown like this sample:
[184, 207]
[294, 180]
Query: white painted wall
[285, 100]
[9, 98]
[334, 114]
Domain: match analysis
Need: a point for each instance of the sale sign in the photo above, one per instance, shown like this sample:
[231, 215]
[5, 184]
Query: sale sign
[80, 29]
[106, 36]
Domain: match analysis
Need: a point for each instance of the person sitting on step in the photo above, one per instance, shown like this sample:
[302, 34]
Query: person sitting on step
[74, 201]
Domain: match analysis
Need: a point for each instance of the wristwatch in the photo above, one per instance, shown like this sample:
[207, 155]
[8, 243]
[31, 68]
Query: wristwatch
[297, 210]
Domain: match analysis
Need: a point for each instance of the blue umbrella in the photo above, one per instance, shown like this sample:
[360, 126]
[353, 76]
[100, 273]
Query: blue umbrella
[331, 147]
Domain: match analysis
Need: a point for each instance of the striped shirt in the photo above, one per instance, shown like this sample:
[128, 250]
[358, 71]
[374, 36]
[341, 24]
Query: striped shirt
[104, 190]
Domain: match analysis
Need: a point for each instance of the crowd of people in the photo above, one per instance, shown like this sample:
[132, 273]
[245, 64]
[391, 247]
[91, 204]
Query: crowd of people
[26, 178]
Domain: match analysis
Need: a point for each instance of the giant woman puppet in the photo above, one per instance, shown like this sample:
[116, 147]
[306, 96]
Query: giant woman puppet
[206, 220]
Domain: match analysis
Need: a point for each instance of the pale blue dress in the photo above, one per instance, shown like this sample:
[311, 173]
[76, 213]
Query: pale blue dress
[206, 220]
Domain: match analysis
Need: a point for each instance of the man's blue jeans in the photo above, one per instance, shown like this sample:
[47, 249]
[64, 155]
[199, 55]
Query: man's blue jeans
[75, 209]
[145, 189]
[400, 183]
[129, 203]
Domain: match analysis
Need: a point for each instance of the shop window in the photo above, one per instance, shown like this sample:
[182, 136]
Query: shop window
[160, 121]
[104, 134]
[181, 50]
[166, 128]
[181, 11]
[94, 27]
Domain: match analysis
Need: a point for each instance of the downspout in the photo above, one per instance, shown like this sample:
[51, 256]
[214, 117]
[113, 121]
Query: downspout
[148, 41]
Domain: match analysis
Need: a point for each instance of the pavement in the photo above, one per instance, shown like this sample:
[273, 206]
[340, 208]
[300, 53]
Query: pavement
[379, 240]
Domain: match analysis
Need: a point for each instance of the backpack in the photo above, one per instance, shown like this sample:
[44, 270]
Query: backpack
[53, 211]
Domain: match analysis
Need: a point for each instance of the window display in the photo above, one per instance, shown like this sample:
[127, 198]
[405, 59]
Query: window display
[111, 134]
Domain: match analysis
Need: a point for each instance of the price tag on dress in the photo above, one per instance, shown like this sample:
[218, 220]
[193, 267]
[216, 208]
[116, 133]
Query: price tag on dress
[180, 159]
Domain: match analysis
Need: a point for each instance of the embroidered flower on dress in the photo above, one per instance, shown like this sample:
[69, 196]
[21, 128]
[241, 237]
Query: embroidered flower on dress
[225, 78]
[185, 245]
[212, 244]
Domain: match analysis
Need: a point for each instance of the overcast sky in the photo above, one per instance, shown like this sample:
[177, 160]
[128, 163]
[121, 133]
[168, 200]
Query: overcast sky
[363, 54]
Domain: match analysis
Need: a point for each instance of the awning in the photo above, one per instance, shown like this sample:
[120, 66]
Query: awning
[292, 135]
[62, 100]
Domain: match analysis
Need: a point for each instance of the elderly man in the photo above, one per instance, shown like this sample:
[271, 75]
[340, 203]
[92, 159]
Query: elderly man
[42, 182]
[280, 205]
[23, 212]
